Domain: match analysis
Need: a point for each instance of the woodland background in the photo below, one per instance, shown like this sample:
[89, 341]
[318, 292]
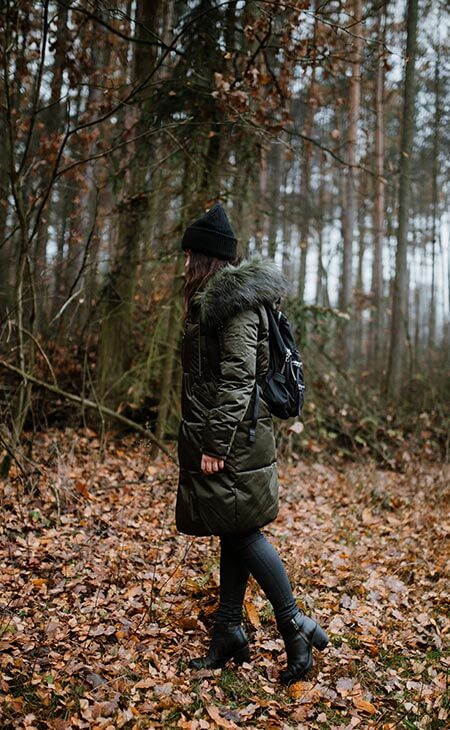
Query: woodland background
[123, 122]
[322, 127]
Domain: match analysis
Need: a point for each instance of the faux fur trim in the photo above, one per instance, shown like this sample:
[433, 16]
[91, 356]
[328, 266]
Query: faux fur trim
[233, 289]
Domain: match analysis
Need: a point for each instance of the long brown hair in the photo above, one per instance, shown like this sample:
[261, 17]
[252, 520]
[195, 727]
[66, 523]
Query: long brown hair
[200, 268]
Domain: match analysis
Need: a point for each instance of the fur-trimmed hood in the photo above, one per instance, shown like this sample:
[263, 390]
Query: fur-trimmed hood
[232, 289]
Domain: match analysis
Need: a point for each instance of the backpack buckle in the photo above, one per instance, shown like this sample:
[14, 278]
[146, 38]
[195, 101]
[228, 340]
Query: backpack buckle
[252, 435]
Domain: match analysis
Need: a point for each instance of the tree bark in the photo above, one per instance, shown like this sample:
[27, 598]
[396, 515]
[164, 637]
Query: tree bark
[379, 206]
[115, 346]
[321, 283]
[273, 202]
[435, 199]
[5, 246]
[360, 300]
[399, 332]
[350, 179]
[24, 298]
[305, 182]
[53, 120]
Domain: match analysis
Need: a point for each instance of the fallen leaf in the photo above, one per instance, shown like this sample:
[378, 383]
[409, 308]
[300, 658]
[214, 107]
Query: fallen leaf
[215, 715]
[81, 487]
[305, 691]
[252, 614]
[364, 705]
[297, 427]
[368, 518]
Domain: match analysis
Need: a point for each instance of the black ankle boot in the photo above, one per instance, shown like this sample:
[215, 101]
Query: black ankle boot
[228, 641]
[300, 634]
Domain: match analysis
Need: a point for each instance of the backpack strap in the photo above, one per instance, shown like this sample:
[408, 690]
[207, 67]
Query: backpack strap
[274, 330]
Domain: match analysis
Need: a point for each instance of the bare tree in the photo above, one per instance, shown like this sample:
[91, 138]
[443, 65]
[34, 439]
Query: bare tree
[349, 208]
[399, 322]
[379, 206]
[132, 215]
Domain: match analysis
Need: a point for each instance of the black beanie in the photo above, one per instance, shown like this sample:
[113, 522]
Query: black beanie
[211, 234]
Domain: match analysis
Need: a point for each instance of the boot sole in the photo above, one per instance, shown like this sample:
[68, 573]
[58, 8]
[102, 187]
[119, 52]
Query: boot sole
[290, 676]
[240, 656]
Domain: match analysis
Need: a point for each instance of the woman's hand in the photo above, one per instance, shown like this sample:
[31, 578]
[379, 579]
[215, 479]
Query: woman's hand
[210, 464]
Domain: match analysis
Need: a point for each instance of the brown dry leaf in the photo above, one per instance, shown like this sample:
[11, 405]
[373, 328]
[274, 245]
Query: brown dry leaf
[344, 685]
[99, 564]
[301, 713]
[368, 518]
[364, 705]
[270, 645]
[40, 583]
[250, 710]
[215, 715]
[303, 690]
[252, 614]
[81, 487]
[189, 622]
[145, 683]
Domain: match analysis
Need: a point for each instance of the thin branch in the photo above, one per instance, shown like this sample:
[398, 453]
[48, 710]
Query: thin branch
[125, 142]
[90, 404]
[37, 86]
[50, 185]
[132, 39]
[42, 351]
[66, 304]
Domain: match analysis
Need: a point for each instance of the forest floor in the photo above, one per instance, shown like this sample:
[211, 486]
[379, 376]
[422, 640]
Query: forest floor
[103, 602]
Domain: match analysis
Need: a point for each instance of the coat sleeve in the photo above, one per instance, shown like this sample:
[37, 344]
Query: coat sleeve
[238, 371]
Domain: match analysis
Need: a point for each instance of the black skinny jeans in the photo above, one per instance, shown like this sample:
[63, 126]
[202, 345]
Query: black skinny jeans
[252, 553]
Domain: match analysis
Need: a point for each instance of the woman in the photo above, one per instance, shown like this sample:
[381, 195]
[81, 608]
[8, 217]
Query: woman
[228, 476]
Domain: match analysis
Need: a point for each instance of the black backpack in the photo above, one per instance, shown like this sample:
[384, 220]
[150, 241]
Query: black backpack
[283, 386]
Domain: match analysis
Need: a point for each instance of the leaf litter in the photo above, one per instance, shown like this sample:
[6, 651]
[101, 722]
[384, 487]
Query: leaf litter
[103, 602]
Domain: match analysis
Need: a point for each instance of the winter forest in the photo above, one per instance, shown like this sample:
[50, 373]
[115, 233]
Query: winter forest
[322, 128]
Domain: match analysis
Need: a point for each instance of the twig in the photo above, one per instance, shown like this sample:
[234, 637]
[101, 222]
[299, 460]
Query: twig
[41, 350]
[14, 454]
[66, 304]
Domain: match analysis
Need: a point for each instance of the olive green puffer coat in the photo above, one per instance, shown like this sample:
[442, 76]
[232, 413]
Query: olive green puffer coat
[221, 361]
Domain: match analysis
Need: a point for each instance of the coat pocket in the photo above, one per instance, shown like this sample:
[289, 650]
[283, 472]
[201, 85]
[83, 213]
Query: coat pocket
[256, 495]
[261, 453]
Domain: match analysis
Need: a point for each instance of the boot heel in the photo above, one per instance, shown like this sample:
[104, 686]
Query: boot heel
[319, 638]
[242, 655]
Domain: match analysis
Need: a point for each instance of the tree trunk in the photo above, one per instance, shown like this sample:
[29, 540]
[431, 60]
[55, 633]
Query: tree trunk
[305, 183]
[115, 346]
[261, 197]
[320, 224]
[53, 120]
[173, 332]
[5, 247]
[360, 302]
[24, 298]
[350, 180]
[273, 202]
[399, 305]
[435, 200]
[379, 206]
